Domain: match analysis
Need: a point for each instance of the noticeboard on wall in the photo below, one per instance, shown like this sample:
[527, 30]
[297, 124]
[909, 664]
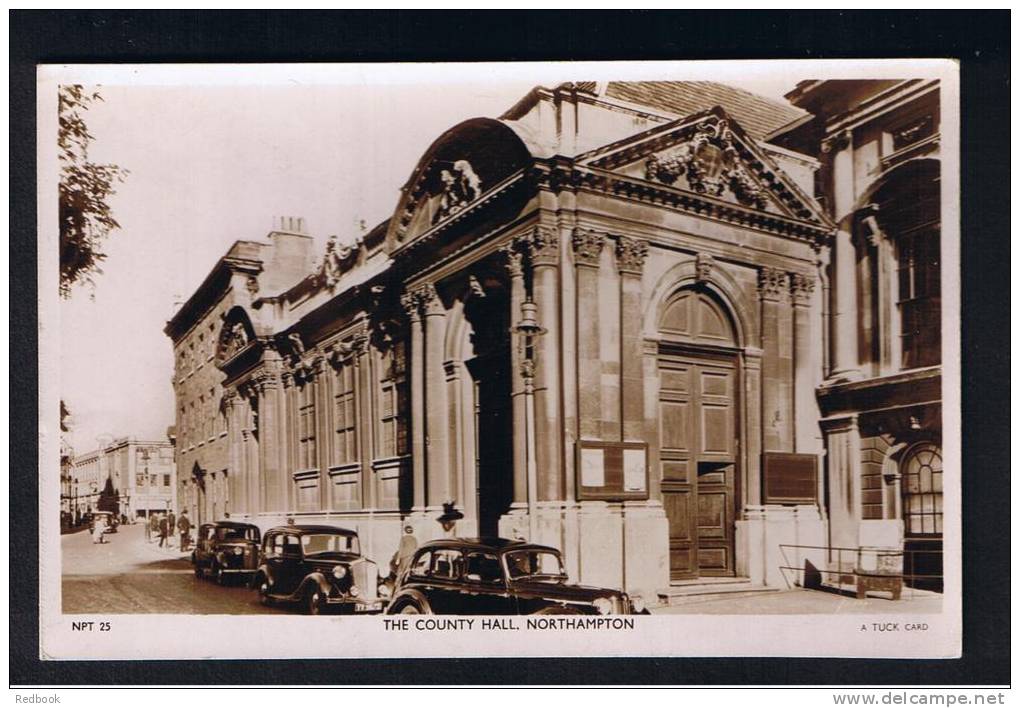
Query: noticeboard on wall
[612, 471]
[789, 478]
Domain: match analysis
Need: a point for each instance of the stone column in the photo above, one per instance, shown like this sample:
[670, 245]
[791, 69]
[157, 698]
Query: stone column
[232, 403]
[545, 260]
[805, 364]
[515, 270]
[752, 362]
[772, 283]
[843, 331]
[412, 307]
[843, 448]
[630, 261]
[437, 427]
[587, 246]
[268, 383]
[364, 416]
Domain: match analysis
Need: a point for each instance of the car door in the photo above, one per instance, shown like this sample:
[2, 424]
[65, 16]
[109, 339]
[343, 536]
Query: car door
[203, 550]
[484, 590]
[289, 564]
[445, 577]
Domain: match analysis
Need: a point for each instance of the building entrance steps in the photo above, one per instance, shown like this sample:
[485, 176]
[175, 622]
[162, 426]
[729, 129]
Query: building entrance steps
[685, 592]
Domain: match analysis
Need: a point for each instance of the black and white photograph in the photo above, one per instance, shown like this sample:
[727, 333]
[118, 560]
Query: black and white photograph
[526, 357]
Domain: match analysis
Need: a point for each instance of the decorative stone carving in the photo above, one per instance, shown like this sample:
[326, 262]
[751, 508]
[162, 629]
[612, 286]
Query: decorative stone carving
[837, 142]
[459, 186]
[514, 260]
[297, 347]
[631, 254]
[709, 161]
[544, 246]
[235, 338]
[252, 283]
[336, 260]
[587, 247]
[265, 380]
[421, 300]
[703, 265]
[771, 283]
[475, 287]
[801, 287]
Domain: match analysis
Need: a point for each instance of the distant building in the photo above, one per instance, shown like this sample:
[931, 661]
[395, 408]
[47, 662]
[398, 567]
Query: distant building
[142, 473]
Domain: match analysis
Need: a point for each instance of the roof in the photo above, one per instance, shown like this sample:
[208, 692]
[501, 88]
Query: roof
[231, 525]
[487, 542]
[312, 528]
[757, 115]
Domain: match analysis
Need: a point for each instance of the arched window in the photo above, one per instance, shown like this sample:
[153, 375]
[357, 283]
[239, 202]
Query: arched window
[696, 316]
[919, 296]
[921, 471]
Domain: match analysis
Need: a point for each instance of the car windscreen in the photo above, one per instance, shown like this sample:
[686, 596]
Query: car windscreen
[235, 534]
[313, 543]
[532, 563]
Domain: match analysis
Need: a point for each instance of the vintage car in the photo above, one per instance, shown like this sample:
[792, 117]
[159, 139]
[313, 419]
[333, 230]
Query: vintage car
[497, 576]
[320, 567]
[110, 520]
[225, 550]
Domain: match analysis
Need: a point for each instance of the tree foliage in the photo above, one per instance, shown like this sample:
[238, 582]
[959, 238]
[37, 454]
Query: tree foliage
[85, 189]
[109, 498]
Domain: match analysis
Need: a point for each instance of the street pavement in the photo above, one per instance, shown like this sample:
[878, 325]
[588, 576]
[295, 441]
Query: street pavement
[128, 575]
[809, 602]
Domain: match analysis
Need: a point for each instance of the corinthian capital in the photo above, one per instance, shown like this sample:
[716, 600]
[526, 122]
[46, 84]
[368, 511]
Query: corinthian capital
[631, 254]
[801, 287]
[587, 247]
[771, 283]
[544, 245]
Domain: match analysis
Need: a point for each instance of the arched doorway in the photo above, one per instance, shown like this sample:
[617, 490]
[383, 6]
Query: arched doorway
[698, 416]
[482, 343]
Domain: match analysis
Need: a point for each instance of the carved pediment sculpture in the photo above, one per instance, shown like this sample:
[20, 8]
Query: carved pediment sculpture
[459, 186]
[710, 164]
[235, 338]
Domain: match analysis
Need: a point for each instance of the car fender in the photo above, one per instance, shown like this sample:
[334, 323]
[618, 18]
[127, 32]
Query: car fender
[409, 594]
[263, 572]
[313, 579]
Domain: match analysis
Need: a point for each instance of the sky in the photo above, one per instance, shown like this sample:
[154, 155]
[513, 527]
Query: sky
[213, 164]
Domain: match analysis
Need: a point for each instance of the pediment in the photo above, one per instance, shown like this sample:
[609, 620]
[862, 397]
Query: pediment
[464, 165]
[708, 154]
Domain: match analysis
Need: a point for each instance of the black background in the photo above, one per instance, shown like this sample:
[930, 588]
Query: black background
[978, 39]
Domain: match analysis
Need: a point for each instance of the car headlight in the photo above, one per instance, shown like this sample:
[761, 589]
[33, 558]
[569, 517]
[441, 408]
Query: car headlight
[637, 603]
[238, 551]
[354, 591]
[603, 605]
[339, 572]
[383, 591]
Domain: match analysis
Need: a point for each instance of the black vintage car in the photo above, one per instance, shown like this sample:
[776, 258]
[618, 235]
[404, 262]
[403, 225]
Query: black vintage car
[320, 567]
[226, 549]
[497, 576]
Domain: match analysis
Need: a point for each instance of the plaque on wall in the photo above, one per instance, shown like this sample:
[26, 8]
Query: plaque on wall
[789, 478]
[612, 471]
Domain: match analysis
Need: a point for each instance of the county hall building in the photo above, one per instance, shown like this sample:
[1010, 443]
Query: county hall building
[601, 322]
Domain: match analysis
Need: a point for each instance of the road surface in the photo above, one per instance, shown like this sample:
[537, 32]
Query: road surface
[127, 575]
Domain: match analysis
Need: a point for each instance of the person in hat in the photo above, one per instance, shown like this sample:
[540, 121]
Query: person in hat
[450, 518]
[184, 526]
[405, 551]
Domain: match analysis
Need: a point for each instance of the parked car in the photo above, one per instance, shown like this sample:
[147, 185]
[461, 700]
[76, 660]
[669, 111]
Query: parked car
[110, 520]
[320, 567]
[226, 549]
[498, 576]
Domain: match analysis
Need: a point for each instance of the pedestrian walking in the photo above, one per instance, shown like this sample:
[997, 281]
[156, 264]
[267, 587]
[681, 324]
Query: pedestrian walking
[171, 526]
[153, 526]
[184, 526]
[164, 530]
[148, 528]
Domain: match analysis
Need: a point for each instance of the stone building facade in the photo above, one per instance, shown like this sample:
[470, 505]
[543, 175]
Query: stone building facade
[142, 473]
[595, 322]
[881, 401]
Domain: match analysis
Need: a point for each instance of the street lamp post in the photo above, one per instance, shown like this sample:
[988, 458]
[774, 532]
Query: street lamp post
[528, 331]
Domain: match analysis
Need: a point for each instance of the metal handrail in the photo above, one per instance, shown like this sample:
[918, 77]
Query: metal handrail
[855, 570]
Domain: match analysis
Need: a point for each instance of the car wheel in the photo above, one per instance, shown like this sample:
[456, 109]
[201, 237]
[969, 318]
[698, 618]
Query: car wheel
[410, 609]
[264, 597]
[316, 602]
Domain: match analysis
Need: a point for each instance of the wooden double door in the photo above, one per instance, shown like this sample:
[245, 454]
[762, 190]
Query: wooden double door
[698, 404]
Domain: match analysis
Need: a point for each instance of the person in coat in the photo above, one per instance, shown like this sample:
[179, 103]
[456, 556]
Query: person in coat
[184, 526]
[164, 530]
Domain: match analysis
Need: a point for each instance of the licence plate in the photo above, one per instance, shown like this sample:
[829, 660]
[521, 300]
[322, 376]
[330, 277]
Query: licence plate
[368, 608]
